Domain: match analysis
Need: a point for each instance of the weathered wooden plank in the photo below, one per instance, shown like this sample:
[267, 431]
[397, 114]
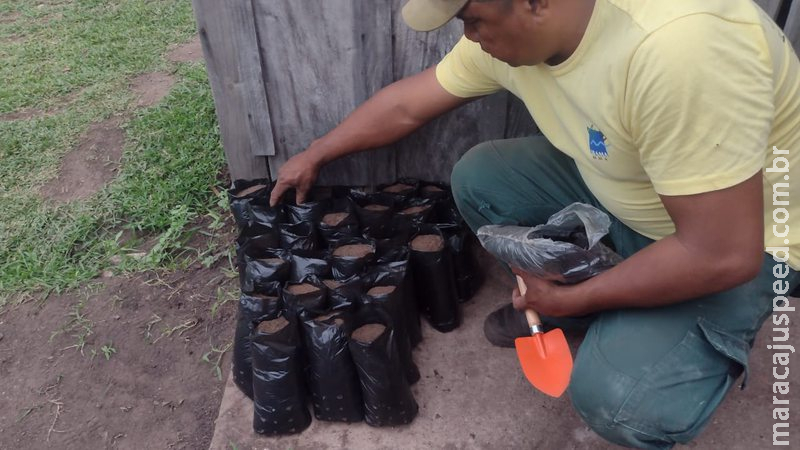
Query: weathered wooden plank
[792, 27]
[431, 152]
[771, 7]
[321, 62]
[229, 44]
[378, 65]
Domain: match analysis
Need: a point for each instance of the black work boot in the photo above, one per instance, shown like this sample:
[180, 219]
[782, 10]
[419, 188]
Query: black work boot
[504, 325]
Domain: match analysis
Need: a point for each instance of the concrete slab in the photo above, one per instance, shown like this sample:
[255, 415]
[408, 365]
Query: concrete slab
[473, 396]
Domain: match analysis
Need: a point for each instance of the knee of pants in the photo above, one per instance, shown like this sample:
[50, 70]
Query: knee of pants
[670, 402]
[598, 393]
[470, 171]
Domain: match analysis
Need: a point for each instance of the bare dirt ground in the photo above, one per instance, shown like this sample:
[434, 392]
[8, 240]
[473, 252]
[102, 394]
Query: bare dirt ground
[119, 362]
[89, 166]
[116, 364]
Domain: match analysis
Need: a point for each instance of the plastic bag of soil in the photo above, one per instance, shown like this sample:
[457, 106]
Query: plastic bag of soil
[396, 240]
[388, 297]
[388, 400]
[435, 191]
[249, 203]
[307, 263]
[279, 396]
[566, 249]
[309, 296]
[331, 375]
[462, 244]
[263, 268]
[253, 309]
[434, 280]
[254, 246]
[374, 211]
[311, 211]
[416, 210]
[339, 222]
[344, 294]
[298, 236]
[401, 191]
[351, 256]
[394, 269]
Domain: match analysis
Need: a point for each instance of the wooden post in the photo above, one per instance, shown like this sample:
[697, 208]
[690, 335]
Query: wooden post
[230, 45]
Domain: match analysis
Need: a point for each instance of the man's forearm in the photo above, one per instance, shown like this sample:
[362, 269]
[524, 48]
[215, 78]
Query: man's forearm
[391, 114]
[663, 273]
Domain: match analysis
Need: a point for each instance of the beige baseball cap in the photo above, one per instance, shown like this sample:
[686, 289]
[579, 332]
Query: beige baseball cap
[428, 15]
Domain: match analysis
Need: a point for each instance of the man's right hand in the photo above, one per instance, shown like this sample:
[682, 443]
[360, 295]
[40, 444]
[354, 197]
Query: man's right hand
[299, 172]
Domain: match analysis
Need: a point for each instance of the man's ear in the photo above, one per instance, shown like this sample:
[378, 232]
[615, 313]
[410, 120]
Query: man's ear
[539, 6]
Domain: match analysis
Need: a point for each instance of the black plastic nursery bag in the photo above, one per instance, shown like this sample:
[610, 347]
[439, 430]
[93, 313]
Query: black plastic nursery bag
[566, 249]
[279, 396]
[388, 400]
[331, 375]
[252, 309]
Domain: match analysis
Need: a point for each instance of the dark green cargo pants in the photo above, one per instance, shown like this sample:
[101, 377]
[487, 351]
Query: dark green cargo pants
[646, 378]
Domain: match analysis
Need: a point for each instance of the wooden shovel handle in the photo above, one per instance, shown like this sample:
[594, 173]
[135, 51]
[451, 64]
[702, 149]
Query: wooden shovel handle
[533, 318]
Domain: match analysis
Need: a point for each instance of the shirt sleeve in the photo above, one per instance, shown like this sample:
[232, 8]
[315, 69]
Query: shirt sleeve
[700, 104]
[467, 71]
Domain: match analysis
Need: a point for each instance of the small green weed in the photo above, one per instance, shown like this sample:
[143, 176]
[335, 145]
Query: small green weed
[214, 357]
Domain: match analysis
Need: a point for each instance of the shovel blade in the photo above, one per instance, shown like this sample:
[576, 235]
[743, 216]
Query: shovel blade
[547, 364]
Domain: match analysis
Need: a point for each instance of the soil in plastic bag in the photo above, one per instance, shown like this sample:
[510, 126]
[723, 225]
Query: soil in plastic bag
[250, 247]
[462, 245]
[339, 222]
[249, 202]
[331, 374]
[375, 212]
[396, 271]
[307, 263]
[351, 256]
[279, 396]
[344, 294]
[416, 210]
[395, 242]
[253, 309]
[389, 299]
[260, 271]
[311, 211]
[299, 236]
[388, 400]
[435, 191]
[401, 191]
[566, 249]
[434, 279]
[309, 296]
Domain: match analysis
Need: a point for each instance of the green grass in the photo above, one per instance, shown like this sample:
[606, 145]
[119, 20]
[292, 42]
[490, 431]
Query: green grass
[172, 158]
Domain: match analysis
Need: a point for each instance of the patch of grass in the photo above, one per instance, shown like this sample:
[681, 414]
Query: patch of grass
[167, 180]
[52, 48]
[79, 327]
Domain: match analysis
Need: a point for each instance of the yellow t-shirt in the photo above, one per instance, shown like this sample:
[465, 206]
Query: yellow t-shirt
[673, 97]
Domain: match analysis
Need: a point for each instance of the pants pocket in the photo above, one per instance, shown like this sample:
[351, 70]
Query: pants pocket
[674, 399]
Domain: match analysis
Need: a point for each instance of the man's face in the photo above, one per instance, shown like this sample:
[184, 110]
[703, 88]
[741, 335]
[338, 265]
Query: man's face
[511, 31]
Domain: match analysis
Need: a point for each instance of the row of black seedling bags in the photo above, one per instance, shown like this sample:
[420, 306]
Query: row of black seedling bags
[352, 364]
[342, 234]
[331, 291]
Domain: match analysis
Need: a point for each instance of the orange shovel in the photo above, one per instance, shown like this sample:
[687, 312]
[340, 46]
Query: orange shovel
[545, 357]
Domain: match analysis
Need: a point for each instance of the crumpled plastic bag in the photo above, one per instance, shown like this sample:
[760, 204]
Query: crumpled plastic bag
[566, 249]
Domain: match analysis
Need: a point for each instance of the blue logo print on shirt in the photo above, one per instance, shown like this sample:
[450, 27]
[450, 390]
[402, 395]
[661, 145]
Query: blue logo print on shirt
[597, 143]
